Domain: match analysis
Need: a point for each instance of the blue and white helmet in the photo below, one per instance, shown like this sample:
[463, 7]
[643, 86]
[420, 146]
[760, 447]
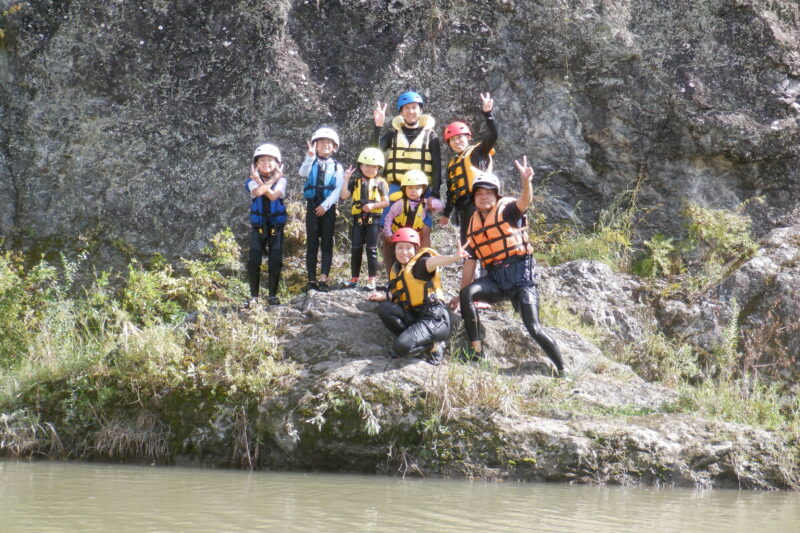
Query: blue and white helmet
[409, 97]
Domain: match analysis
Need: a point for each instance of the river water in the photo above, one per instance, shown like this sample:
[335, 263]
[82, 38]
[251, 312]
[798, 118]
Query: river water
[82, 497]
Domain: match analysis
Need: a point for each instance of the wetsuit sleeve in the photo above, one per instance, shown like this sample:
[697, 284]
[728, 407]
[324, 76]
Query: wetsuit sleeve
[512, 213]
[436, 159]
[420, 270]
[351, 185]
[488, 142]
[448, 203]
[380, 142]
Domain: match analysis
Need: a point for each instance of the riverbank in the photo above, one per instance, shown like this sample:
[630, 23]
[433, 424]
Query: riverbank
[167, 368]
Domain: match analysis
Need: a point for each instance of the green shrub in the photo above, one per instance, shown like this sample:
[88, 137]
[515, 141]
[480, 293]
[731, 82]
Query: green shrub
[657, 358]
[661, 258]
[609, 241]
[721, 235]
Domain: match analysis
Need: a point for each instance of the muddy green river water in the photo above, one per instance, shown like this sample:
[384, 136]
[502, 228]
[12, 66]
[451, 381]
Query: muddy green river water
[84, 497]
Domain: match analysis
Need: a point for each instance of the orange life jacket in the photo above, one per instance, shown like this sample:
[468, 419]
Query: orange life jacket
[493, 238]
[461, 173]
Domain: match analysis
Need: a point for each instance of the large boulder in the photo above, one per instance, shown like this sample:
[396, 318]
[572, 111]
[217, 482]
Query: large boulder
[618, 304]
[765, 295]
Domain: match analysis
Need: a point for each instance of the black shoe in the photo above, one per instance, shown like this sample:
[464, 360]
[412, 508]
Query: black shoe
[323, 286]
[311, 285]
[273, 300]
[468, 355]
[436, 355]
[250, 303]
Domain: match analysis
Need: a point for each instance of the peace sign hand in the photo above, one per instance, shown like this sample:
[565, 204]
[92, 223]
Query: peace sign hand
[349, 172]
[310, 151]
[488, 103]
[462, 251]
[379, 114]
[525, 172]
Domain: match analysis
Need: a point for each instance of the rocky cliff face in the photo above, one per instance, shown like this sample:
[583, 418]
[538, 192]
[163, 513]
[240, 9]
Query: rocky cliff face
[131, 125]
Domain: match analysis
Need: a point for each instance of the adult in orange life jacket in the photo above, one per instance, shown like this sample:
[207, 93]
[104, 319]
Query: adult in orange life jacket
[413, 306]
[468, 161]
[498, 237]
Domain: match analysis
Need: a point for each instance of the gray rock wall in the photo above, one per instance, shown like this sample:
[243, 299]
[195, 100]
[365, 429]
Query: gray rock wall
[133, 123]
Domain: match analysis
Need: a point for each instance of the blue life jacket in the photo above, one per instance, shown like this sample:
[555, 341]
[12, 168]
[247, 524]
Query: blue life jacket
[311, 188]
[265, 212]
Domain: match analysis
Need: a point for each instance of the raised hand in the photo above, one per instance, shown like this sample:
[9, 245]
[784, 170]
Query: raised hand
[525, 172]
[488, 103]
[379, 114]
[253, 172]
[349, 172]
[310, 151]
[462, 250]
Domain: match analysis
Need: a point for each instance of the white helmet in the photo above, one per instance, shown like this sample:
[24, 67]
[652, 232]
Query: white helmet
[485, 180]
[326, 133]
[267, 149]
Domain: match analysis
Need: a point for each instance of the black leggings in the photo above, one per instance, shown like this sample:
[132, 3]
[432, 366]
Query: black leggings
[319, 234]
[271, 242]
[525, 301]
[364, 235]
[464, 210]
[416, 331]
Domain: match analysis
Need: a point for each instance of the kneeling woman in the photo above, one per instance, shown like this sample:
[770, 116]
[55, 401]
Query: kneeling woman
[413, 308]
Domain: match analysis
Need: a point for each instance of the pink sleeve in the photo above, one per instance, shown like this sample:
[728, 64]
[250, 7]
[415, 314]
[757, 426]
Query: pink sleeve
[436, 205]
[390, 216]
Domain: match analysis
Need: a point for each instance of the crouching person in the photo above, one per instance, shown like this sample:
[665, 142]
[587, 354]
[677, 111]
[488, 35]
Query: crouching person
[413, 307]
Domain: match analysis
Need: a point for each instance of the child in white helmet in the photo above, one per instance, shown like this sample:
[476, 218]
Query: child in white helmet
[324, 178]
[267, 188]
[370, 195]
[411, 211]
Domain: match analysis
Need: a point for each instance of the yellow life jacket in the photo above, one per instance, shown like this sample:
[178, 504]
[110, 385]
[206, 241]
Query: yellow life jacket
[410, 292]
[373, 196]
[461, 173]
[417, 219]
[404, 156]
[494, 239]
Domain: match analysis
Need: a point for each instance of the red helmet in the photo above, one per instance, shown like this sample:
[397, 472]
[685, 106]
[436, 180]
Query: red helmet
[456, 128]
[406, 235]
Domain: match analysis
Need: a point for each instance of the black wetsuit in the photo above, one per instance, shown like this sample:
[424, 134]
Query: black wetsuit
[515, 280]
[419, 327]
[480, 158]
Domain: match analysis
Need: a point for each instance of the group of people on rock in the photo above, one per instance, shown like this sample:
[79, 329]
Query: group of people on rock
[395, 195]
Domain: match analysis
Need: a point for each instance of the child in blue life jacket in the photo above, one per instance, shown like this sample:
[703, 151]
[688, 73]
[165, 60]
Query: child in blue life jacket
[267, 188]
[370, 195]
[410, 211]
[324, 177]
